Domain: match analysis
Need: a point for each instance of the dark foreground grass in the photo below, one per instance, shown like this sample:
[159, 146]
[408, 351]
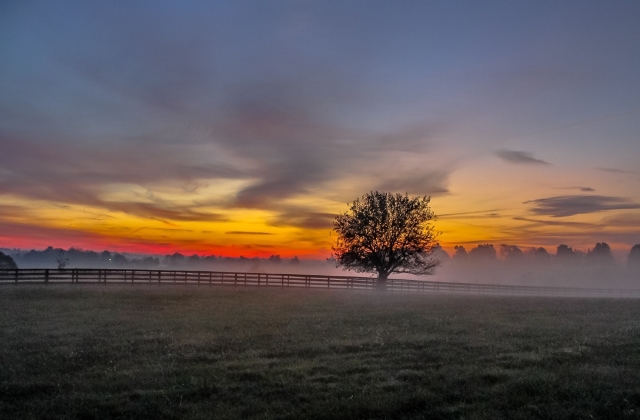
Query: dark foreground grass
[92, 352]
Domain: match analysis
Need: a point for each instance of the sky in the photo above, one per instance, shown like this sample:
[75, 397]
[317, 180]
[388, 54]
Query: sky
[242, 128]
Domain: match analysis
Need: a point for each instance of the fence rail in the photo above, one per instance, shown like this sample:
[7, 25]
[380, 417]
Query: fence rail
[221, 278]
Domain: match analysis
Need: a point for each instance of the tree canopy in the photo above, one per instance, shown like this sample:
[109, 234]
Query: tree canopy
[634, 256]
[386, 233]
[6, 262]
[601, 254]
[483, 253]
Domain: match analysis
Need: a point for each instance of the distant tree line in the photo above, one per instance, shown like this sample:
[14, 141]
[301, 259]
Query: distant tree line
[600, 254]
[78, 258]
[51, 257]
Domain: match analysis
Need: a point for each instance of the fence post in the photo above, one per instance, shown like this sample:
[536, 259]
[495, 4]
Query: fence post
[16, 276]
[46, 276]
[235, 279]
[159, 276]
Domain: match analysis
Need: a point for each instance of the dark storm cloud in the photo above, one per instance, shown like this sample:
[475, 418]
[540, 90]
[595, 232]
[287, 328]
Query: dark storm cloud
[519, 157]
[570, 205]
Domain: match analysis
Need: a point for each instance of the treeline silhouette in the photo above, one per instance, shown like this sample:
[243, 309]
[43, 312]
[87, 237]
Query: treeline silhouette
[51, 257]
[511, 264]
[512, 254]
[78, 258]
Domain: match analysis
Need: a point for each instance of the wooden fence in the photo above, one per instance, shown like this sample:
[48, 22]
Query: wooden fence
[220, 278]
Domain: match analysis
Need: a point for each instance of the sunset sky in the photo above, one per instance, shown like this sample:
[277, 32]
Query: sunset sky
[242, 128]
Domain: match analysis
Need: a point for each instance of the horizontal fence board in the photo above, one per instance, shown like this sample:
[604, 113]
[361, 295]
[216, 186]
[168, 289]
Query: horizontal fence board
[220, 278]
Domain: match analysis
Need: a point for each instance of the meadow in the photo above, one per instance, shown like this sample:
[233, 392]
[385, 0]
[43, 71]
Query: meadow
[116, 351]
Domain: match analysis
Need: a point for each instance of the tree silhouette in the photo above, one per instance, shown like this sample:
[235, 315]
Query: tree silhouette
[601, 254]
[6, 262]
[483, 253]
[62, 260]
[539, 255]
[275, 259]
[511, 253]
[460, 255]
[385, 233]
[633, 260]
[566, 254]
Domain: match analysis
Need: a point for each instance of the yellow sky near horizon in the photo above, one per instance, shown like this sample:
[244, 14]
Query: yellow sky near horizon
[498, 215]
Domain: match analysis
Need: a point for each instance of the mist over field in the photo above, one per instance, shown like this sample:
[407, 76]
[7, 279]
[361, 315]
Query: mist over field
[508, 264]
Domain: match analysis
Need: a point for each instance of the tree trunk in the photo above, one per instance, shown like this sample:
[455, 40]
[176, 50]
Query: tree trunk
[382, 282]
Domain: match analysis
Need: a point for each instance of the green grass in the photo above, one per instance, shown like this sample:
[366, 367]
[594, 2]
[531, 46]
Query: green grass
[186, 352]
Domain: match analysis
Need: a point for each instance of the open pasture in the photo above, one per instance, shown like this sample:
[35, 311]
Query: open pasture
[80, 351]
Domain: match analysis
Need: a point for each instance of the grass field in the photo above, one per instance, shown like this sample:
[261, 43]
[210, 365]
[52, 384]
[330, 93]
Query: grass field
[186, 352]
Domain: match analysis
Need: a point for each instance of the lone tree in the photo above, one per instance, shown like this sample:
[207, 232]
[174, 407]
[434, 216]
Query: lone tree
[61, 260]
[385, 233]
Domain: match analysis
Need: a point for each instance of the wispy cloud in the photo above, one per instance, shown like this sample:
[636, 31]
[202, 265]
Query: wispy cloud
[304, 218]
[467, 213]
[616, 171]
[552, 222]
[242, 232]
[429, 183]
[519, 157]
[582, 189]
[570, 205]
